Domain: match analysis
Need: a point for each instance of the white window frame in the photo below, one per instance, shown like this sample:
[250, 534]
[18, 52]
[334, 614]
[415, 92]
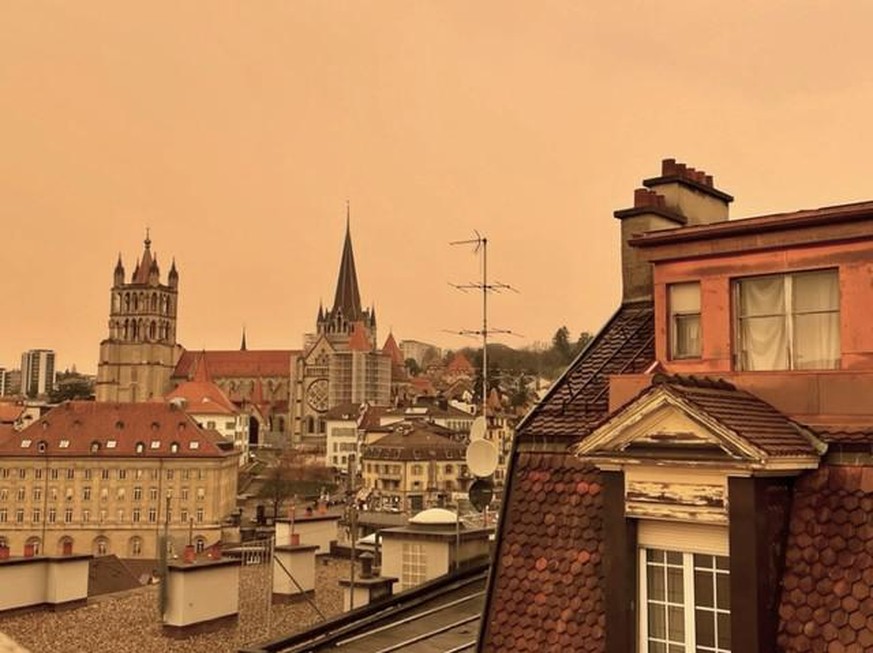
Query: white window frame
[687, 539]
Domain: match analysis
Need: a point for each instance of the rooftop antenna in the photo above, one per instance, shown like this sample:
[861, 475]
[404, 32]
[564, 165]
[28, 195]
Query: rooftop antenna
[480, 244]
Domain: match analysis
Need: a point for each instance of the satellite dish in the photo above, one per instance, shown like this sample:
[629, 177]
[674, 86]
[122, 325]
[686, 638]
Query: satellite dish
[478, 428]
[481, 493]
[482, 457]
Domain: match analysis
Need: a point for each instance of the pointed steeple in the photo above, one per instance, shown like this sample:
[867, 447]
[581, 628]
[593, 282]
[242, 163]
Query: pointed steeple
[347, 297]
[173, 278]
[118, 276]
[242, 345]
[141, 274]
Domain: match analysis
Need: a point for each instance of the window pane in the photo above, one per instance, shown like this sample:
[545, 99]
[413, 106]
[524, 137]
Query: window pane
[654, 555]
[703, 594]
[764, 343]
[703, 561]
[704, 623]
[686, 339]
[816, 341]
[722, 562]
[816, 291]
[675, 588]
[724, 631]
[723, 591]
[655, 580]
[762, 296]
[657, 647]
[674, 558]
[657, 621]
[685, 297]
[676, 624]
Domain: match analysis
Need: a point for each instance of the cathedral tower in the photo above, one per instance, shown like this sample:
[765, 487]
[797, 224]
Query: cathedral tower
[138, 357]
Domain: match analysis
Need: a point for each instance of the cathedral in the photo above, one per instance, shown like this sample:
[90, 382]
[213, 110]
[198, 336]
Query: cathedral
[286, 392]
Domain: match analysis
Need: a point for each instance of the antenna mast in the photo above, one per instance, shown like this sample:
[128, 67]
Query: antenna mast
[480, 242]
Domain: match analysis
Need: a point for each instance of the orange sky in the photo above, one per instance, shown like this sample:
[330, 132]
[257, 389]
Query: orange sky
[236, 131]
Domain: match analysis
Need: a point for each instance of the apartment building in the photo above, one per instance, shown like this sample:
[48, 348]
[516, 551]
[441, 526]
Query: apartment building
[101, 478]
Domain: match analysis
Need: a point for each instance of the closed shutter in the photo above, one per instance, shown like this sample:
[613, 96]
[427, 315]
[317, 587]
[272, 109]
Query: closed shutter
[682, 536]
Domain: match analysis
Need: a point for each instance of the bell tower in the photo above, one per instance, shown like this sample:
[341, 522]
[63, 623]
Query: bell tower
[138, 357]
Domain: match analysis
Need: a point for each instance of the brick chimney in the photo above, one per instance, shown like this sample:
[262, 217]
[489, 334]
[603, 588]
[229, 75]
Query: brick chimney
[681, 196]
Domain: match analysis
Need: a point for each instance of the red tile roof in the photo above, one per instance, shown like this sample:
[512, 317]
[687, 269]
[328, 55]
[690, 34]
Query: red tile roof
[10, 411]
[827, 604]
[201, 395]
[390, 347]
[580, 398]
[745, 414]
[547, 586]
[415, 441]
[460, 365]
[358, 339]
[74, 427]
[235, 363]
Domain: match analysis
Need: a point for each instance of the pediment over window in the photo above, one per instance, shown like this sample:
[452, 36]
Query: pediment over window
[701, 422]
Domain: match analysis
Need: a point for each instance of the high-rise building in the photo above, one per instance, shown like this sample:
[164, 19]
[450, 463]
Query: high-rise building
[37, 372]
[138, 357]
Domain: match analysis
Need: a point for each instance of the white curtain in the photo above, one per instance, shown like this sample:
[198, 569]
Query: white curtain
[763, 329]
[816, 302]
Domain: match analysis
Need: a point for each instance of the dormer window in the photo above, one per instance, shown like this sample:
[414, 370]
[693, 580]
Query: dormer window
[140, 447]
[174, 447]
[95, 446]
[788, 321]
[41, 446]
[684, 306]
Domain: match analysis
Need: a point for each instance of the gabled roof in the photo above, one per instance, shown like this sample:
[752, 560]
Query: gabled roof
[580, 398]
[460, 364]
[390, 347]
[235, 363]
[201, 395]
[707, 414]
[88, 428]
[415, 441]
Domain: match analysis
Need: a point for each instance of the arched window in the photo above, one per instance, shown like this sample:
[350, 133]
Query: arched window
[134, 547]
[199, 544]
[174, 447]
[95, 446]
[33, 544]
[152, 330]
[140, 447]
[127, 302]
[65, 546]
[154, 303]
[136, 302]
[100, 546]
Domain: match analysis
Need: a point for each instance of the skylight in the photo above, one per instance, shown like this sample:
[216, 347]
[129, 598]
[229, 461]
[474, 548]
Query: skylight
[25, 444]
[155, 444]
[110, 444]
[194, 444]
[64, 444]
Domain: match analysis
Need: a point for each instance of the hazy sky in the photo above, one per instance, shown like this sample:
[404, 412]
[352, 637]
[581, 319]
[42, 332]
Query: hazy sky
[237, 130]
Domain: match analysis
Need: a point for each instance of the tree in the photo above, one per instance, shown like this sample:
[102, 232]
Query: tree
[295, 474]
[561, 345]
[412, 367]
[584, 339]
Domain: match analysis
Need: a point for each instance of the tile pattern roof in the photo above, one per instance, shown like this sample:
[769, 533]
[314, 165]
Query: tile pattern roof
[201, 395]
[827, 604]
[580, 398]
[415, 441]
[844, 436]
[748, 416]
[234, 363]
[71, 429]
[547, 587]
[10, 411]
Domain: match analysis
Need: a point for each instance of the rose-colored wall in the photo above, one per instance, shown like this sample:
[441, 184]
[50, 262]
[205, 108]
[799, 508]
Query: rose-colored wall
[855, 263]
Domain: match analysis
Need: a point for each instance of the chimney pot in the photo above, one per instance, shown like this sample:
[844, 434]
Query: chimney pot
[707, 179]
[668, 167]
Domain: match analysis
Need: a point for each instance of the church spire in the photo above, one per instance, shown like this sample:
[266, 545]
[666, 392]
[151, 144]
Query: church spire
[143, 268]
[347, 297]
[242, 345]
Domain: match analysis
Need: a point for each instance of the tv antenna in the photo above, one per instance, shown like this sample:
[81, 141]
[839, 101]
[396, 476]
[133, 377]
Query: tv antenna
[480, 244]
